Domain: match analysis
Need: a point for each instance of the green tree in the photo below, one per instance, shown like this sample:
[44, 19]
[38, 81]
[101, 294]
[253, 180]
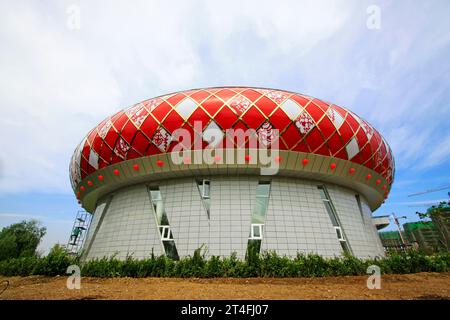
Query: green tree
[20, 239]
[438, 210]
[440, 215]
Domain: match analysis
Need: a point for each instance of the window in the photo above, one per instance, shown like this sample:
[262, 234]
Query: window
[158, 206]
[358, 201]
[328, 205]
[253, 248]
[155, 193]
[329, 209]
[171, 250]
[256, 231]
[339, 233]
[262, 202]
[165, 232]
[263, 189]
[163, 223]
[345, 246]
[204, 187]
[334, 218]
[258, 217]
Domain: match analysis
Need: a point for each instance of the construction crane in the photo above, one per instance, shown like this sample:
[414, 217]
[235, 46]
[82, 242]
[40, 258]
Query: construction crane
[430, 190]
[396, 220]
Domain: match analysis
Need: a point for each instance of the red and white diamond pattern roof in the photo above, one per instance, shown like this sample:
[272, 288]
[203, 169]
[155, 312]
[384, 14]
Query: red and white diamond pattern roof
[305, 124]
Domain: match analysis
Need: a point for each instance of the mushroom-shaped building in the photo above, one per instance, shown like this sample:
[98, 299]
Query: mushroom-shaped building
[232, 167]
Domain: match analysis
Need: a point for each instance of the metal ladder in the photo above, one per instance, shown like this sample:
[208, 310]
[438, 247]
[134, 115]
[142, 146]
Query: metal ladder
[79, 231]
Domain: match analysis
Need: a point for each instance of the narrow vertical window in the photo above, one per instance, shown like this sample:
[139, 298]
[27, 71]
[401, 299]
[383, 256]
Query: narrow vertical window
[204, 187]
[163, 223]
[334, 219]
[258, 217]
[358, 201]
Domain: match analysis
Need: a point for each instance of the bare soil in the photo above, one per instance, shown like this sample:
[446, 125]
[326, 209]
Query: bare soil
[410, 286]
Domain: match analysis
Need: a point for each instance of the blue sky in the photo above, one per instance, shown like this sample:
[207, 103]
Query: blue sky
[57, 81]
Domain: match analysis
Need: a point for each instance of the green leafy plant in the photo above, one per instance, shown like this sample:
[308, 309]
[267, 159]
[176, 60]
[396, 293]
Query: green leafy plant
[266, 264]
[20, 239]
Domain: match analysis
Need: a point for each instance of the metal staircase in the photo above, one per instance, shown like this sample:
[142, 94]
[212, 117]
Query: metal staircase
[79, 231]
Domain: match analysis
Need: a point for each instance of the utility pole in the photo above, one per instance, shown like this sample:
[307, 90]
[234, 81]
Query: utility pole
[399, 230]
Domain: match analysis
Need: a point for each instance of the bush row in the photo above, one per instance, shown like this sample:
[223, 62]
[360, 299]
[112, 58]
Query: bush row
[55, 263]
[268, 264]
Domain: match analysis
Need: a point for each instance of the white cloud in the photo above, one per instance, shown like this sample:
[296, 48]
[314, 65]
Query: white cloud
[49, 90]
[439, 153]
[57, 83]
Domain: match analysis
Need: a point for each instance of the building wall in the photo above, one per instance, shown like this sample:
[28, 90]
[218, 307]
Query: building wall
[296, 219]
[187, 215]
[128, 227]
[358, 226]
[98, 213]
[232, 201]
[372, 232]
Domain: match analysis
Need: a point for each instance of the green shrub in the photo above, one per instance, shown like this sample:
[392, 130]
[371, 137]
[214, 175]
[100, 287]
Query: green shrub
[267, 264]
[272, 265]
[213, 267]
[353, 266]
[232, 267]
[312, 265]
[191, 266]
[55, 263]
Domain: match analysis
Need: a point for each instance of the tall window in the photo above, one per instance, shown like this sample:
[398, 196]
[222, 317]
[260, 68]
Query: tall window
[204, 187]
[163, 223]
[259, 216]
[358, 201]
[334, 218]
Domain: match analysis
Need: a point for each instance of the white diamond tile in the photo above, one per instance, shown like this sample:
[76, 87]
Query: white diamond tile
[93, 158]
[186, 107]
[291, 108]
[352, 148]
[335, 117]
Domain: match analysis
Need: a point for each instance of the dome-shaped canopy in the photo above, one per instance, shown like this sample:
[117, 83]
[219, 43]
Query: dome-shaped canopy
[305, 124]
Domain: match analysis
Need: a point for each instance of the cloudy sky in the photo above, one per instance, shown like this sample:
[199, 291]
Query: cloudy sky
[66, 65]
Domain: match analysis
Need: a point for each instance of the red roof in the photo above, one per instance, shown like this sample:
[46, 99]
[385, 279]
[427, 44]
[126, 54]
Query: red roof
[305, 124]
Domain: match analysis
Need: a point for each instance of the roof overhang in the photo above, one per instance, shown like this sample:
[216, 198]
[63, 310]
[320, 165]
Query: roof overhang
[381, 222]
[365, 181]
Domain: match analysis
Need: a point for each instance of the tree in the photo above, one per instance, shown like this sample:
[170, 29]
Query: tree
[440, 215]
[20, 239]
[437, 211]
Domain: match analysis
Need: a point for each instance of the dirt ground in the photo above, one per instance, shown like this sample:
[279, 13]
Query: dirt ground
[411, 286]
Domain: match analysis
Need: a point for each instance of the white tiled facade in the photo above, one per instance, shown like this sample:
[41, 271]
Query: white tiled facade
[187, 216]
[296, 219]
[127, 228]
